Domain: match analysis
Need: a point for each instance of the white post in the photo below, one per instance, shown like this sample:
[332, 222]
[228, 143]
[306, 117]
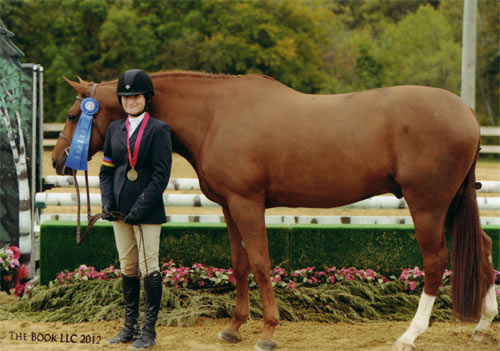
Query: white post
[468, 86]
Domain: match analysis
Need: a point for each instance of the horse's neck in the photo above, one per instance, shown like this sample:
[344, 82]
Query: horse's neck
[181, 150]
[189, 118]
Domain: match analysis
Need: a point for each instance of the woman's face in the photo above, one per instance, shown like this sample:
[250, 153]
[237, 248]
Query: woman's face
[133, 104]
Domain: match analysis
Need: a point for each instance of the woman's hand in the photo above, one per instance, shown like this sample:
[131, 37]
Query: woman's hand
[107, 213]
[132, 219]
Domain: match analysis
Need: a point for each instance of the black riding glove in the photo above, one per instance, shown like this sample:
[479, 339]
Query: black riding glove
[107, 213]
[132, 219]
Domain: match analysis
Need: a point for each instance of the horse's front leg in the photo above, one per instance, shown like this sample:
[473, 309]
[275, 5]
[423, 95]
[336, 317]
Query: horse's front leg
[241, 267]
[248, 215]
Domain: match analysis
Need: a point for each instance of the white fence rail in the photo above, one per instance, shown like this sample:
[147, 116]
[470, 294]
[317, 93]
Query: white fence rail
[193, 184]
[43, 200]
[174, 183]
[327, 220]
[199, 200]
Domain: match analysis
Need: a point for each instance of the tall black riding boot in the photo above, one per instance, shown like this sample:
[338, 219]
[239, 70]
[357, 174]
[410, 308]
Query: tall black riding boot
[131, 331]
[153, 290]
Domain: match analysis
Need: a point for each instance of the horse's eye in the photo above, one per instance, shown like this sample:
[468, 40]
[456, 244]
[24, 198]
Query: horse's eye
[72, 117]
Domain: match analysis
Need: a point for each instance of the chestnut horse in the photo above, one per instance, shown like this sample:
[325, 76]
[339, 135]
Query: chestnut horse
[255, 143]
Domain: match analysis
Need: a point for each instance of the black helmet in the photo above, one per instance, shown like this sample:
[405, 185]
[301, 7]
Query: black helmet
[135, 82]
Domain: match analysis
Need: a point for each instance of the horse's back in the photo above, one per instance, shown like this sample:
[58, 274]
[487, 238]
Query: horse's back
[328, 150]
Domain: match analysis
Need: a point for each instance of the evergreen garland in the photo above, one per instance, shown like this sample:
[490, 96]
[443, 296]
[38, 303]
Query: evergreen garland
[346, 301]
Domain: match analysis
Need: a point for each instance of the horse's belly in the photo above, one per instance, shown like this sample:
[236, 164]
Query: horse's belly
[327, 192]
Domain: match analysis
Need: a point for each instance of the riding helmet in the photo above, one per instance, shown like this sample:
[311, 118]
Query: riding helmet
[135, 82]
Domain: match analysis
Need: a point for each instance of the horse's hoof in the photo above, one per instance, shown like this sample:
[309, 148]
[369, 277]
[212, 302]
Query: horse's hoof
[399, 346]
[229, 337]
[478, 336]
[262, 345]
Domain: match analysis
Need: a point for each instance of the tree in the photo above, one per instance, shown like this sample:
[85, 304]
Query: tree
[315, 46]
[14, 127]
[420, 50]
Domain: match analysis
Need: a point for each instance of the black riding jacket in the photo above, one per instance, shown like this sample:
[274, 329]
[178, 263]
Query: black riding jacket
[144, 196]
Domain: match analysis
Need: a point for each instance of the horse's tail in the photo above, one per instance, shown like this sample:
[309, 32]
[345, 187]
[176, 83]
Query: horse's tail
[472, 273]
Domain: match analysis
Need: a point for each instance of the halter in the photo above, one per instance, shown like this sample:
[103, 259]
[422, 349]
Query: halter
[70, 140]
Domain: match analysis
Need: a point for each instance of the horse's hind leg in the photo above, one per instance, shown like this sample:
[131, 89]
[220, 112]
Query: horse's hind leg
[489, 311]
[430, 235]
[490, 305]
[241, 267]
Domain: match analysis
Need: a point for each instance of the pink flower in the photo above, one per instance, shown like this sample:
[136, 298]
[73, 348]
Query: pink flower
[20, 289]
[280, 271]
[16, 252]
[370, 274]
[291, 285]
[198, 265]
[417, 272]
[331, 279]
[14, 263]
[22, 273]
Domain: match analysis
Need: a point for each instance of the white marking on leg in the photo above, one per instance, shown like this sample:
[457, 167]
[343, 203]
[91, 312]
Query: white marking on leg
[420, 322]
[489, 311]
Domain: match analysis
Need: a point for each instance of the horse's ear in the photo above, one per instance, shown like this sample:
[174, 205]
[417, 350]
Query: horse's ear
[81, 80]
[77, 86]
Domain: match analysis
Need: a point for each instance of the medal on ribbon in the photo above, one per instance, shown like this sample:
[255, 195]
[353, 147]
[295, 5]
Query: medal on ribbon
[132, 174]
[79, 149]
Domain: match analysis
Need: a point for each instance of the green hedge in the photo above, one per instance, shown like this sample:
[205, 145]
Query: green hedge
[183, 243]
[387, 249]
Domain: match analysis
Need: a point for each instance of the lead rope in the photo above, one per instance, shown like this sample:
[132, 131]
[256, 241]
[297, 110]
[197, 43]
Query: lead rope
[89, 215]
[91, 219]
[143, 249]
[78, 204]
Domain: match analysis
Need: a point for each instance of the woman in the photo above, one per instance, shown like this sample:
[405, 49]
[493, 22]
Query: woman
[133, 177]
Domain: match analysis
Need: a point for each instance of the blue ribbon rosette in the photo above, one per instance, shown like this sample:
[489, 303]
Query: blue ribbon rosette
[79, 149]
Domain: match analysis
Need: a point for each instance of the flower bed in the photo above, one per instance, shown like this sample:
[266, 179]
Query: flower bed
[199, 276]
[13, 275]
[309, 294]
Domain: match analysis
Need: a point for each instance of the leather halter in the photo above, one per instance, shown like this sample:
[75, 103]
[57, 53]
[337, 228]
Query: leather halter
[70, 140]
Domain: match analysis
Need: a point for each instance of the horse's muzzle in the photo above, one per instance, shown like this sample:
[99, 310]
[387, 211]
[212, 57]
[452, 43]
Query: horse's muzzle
[59, 167]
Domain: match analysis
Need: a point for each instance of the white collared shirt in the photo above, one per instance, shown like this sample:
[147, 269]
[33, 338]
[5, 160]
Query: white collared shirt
[134, 123]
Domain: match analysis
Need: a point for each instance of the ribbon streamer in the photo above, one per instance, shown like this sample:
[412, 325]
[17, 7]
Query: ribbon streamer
[79, 149]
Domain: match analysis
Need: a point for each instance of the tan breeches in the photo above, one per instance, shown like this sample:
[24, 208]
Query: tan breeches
[137, 254]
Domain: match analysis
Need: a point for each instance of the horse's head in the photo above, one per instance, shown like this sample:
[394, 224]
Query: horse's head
[109, 110]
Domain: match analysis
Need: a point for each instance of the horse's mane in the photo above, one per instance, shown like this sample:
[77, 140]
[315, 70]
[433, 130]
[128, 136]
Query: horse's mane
[196, 75]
